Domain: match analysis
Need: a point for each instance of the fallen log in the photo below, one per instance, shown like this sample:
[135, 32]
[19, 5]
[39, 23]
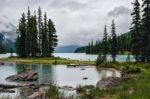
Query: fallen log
[6, 91]
[6, 86]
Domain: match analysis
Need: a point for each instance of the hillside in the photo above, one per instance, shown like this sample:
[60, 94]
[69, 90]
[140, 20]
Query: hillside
[66, 49]
[6, 43]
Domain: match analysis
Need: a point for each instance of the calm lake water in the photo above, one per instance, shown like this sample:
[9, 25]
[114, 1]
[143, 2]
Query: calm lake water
[81, 56]
[61, 75]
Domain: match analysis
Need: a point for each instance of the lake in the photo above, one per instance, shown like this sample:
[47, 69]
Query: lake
[61, 75]
[81, 56]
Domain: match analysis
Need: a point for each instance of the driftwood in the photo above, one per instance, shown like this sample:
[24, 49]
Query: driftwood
[6, 91]
[27, 75]
[6, 86]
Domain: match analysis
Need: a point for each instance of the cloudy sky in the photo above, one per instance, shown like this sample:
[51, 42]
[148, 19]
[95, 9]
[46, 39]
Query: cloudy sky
[76, 21]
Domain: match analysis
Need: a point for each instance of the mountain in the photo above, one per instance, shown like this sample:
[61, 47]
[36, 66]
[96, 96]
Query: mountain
[66, 49]
[6, 43]
[80, 50]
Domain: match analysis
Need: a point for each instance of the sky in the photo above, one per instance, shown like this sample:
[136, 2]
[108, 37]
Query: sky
[77, 21]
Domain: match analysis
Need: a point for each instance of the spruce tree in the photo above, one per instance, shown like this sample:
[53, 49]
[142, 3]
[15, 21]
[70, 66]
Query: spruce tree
[105, 44]
[34, 44]
[136, 30]
[113, 42]
[21, 40]
[52, 38]
[28, 33]
[39, 30]
[44, 37]
[145, 45]
[35, 37]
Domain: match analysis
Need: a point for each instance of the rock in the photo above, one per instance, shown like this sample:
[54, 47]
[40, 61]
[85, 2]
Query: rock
[82, 69]
[35, 95]
[108, 83]
[85, 78]
[27, 75]
[1, 63]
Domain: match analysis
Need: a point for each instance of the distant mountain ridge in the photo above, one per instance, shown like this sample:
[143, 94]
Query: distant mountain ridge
[6, 43]
[66, 49]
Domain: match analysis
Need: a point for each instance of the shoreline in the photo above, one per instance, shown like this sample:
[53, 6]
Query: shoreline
[45, 61]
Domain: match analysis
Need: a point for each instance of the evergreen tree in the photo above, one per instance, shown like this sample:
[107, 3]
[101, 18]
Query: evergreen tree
[52, 38]
[28, 34]
[36, 37]
[45, 37]
[136, 30]
[39, 29]
[145, 51]
[113, 42]
[2, 50]
[34, 40]
[105, 44]
[21, 40]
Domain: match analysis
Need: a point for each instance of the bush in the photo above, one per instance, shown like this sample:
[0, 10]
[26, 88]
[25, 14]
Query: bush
[99, 60]
[131, 70]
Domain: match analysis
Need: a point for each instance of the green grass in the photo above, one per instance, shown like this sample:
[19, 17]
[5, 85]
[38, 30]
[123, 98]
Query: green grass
[44, 60]
[135, 88]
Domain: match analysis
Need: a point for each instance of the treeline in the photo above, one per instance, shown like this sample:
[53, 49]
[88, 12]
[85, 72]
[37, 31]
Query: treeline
[139, 41]
[36, 35]
[2, 50]
[123, 45]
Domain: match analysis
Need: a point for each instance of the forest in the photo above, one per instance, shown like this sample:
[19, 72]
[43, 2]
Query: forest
[36, 35]
[137, 41]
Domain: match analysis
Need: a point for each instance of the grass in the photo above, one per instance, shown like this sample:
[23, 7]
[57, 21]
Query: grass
[135, 88]
[44, 60]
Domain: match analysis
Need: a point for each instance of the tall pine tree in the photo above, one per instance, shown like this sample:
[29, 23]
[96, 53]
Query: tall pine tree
[105, 44]
[113, 42]
[21, 40]
[136, 30]
[145, 31]
[52, 38]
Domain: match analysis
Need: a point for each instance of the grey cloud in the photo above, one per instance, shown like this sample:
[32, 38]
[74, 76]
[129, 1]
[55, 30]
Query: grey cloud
[68, 4]
[118, 11]
[76, 21]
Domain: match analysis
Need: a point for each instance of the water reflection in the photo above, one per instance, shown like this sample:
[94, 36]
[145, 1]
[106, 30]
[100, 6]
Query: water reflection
[60, 74]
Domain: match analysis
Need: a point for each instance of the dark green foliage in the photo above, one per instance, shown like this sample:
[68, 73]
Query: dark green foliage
[99, 60]
[113, 41]
[123, 44]
[52, 93]
[81, 50]
[131, 70]
[145, 42]
[136, 30]
[52, 37]
[21, 40]
[35, 37]
[105, 44]
[2, 50]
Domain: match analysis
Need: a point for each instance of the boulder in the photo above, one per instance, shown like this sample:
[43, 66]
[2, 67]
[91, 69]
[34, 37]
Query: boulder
[108, 83]
[27, 75]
